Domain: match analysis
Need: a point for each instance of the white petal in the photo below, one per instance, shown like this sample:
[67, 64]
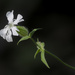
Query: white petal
[10, 16]
[9, 37]
[19, 19]
[14, 30]
[3, 32]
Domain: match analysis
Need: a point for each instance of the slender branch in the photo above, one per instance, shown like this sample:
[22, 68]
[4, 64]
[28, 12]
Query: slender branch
[54, 56]
[59, 60]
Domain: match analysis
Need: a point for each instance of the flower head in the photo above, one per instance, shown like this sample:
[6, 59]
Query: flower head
[11, 29]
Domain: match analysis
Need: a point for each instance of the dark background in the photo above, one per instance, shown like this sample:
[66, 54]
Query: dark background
[58, 22]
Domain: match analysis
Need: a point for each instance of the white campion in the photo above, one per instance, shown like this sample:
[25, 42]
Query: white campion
[11, 28]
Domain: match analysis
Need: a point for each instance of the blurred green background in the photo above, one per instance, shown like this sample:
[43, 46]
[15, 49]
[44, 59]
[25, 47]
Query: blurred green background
[58, 22]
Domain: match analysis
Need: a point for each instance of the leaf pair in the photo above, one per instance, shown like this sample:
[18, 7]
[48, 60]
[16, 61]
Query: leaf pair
[42, 50]
[24, 33]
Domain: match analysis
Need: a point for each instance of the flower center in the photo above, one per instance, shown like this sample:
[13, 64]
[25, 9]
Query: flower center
[11, 25]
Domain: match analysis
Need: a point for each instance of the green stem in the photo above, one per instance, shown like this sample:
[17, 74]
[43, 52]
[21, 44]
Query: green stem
[59, 60]
[54, 56]
[33, 41]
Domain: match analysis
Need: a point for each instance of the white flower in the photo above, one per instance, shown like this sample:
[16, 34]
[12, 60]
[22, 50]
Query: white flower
[10, 29]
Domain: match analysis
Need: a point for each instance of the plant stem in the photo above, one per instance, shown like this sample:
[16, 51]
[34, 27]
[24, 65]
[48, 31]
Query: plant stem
[54, 56]
[33, 41]
[59, 60]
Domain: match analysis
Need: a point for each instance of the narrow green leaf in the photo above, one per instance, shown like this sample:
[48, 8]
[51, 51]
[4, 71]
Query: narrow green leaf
[22, 31]
[23, 38]
[33, 31]
[36, 53]
[43, 58]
